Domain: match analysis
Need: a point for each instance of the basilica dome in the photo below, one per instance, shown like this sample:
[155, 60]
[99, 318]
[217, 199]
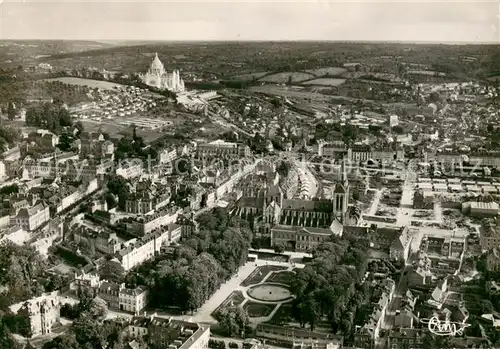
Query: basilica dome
[156, 64]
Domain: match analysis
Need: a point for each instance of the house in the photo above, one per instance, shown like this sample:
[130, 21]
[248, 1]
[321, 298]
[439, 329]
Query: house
[133, 300]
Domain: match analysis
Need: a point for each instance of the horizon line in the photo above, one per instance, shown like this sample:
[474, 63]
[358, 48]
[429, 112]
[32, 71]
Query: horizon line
[423, 42]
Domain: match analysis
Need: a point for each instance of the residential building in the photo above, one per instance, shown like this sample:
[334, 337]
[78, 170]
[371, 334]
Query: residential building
[490, 234]
[43, 312]
[45, 140]
[130, 169]
[107, 243]
[370, 331]
[169, 333]
[493, 259]
[400, 247]
[133, 300]
[110, 292]
[222, 149]
[166, 156]
[405, 338]
[143, 225]
[32, 218]
[89, 142]
[294, 335]
[85, 283]
[137, 251]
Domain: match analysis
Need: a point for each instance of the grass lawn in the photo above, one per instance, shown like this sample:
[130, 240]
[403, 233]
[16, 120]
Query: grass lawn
[260, 273]
[281, 277]
[258, 309]
[236, 298]
[283, 315]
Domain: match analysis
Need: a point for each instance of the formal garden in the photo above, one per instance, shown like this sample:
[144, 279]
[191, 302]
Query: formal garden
[261, 294]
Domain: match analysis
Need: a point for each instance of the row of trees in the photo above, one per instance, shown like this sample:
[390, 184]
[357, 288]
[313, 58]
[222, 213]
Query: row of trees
[199, 265]
[329, 287]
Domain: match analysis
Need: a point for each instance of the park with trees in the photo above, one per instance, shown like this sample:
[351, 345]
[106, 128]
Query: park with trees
[198, 266]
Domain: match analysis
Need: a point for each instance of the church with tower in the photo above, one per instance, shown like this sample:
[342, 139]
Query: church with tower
[297, 224]
[158, 77]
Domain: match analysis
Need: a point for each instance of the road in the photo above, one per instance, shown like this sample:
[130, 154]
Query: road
[307, 182]
[375, 202]
[405, 210]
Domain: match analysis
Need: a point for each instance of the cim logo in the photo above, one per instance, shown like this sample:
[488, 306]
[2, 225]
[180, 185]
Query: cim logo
[446, 327]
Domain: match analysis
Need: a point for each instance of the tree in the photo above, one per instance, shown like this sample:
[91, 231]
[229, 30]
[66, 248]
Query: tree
[65, 341]
[112, 271]
[398, 129]
[11, 111]
[86, 330]
[98, 308]
[233, 320]
[355, 194]
[279, 248]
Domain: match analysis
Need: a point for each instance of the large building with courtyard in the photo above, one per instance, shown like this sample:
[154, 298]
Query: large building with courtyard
[297, 224]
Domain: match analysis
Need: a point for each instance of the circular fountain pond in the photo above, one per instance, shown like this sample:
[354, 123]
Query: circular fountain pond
[268, 292]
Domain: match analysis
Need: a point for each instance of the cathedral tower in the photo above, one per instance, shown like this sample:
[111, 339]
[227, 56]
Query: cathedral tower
[341, 195]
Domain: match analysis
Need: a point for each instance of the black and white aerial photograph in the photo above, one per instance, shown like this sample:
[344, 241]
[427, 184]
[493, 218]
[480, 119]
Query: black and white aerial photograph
[249, 174]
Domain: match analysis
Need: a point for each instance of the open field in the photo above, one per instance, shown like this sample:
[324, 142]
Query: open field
[283, 78]
[327, 71]
[105, 85]
[325, 82]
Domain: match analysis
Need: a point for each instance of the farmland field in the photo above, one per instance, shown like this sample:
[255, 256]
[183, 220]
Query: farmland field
[325, 82]
[282, 78]
[327, 71]
[105, 85]
[250, 76]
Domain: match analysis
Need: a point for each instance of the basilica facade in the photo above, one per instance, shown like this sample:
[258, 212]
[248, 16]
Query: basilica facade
[158, 77]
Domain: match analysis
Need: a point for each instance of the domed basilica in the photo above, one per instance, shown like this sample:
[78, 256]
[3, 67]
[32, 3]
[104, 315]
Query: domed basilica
[158, 77]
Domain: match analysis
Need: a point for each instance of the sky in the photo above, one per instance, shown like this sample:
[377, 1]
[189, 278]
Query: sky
[369, 20]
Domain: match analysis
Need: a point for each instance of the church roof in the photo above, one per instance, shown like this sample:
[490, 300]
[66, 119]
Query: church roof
[339, 188]
[325, 206]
